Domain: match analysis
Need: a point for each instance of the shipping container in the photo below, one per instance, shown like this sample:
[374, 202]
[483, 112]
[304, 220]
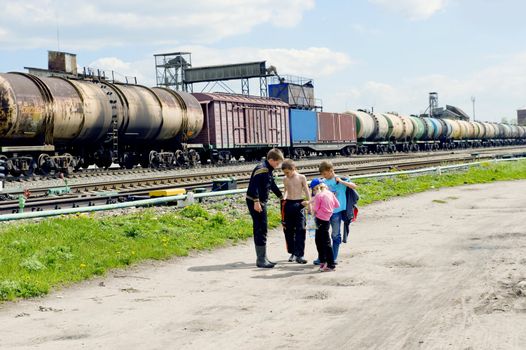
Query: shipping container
[235, 121]
[303, 125]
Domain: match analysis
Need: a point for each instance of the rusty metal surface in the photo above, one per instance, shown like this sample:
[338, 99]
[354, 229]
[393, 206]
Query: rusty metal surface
[62, 62]
[193, 117]
[172, 114]
[23, 109]
[182, 115]
[144, 112]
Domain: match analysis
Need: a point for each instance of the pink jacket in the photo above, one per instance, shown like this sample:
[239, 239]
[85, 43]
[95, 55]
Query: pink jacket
[324, 204]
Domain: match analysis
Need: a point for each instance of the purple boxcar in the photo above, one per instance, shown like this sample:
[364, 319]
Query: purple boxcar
[238, 125]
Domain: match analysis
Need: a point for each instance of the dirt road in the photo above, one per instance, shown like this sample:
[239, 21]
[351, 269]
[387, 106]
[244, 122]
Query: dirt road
[439, 270]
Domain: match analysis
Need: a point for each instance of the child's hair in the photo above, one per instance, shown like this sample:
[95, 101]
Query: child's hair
[288, 164]
[325, 166]
[320, 187]
[275, 154]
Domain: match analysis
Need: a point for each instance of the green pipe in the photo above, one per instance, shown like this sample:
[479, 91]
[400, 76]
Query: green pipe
[139, 203]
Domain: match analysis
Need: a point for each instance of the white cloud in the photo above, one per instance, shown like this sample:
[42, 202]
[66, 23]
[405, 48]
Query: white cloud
[143, 70]
[502, 84]
[141, 22]
[413, 9]
[3, 33]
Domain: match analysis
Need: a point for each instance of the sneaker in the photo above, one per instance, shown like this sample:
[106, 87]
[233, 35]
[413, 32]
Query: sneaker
[326, 268]
[316, 262]
[335, 262]
[291, 258]
[300, 260]
[323, 266]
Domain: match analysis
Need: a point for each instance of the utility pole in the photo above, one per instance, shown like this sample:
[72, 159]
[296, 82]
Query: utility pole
[473, 101]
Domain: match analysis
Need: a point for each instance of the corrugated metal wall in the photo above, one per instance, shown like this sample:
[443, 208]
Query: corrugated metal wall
[236, 121]
[336, 127]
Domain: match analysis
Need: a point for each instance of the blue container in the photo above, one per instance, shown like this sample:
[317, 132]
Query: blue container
[280, 91]
[303, 125]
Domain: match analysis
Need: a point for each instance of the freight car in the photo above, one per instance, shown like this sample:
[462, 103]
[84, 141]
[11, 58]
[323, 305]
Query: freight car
[238, 126]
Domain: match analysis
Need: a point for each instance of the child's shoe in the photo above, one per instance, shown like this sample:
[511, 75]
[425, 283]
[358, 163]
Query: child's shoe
[291, 258]
[326, 268]
[301, 260]
[323, 266]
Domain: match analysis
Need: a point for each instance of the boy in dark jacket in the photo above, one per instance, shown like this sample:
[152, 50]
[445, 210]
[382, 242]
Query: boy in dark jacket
[261, 182]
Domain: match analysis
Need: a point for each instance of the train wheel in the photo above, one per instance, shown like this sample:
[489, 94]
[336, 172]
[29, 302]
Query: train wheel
[69, 163]
[194, 157]
[30, 169]
[299, 153]
[128, 161]
[180, 159]
[79, 164]
[45, 164]
[154, 160]
[104, 159]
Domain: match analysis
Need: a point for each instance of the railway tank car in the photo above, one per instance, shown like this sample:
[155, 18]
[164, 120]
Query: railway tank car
[54, 123]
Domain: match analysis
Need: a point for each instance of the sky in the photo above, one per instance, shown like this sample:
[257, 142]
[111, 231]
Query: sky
[385, 54]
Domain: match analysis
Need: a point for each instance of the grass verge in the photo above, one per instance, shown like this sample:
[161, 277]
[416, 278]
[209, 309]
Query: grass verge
[35, 257]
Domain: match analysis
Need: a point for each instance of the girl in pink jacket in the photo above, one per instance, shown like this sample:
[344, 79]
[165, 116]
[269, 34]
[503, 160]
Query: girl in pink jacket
[323, 204]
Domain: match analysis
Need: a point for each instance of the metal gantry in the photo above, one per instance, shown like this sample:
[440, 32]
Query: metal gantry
[170, 69]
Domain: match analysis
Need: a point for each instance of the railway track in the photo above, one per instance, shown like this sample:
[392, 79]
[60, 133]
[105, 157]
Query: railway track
[94, 173]
[107, 192]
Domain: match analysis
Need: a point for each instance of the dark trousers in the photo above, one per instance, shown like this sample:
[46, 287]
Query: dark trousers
[293, 219]
[259, 223]
[323, 242]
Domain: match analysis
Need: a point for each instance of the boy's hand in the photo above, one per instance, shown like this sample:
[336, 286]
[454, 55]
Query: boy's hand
[257, 207]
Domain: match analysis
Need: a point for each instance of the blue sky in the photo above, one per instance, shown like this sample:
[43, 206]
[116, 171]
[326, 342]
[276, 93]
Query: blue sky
[386, 54]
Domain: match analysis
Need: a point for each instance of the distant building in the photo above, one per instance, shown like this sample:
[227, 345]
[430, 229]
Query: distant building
[521, 116]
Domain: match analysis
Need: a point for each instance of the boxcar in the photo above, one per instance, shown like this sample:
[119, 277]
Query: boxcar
[238, 126]
[322, 132]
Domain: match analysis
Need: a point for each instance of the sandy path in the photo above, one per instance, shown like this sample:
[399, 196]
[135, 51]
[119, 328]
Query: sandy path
[417, 274]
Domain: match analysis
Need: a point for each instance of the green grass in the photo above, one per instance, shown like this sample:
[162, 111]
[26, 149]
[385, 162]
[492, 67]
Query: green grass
[36, 257]
[372, 190]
